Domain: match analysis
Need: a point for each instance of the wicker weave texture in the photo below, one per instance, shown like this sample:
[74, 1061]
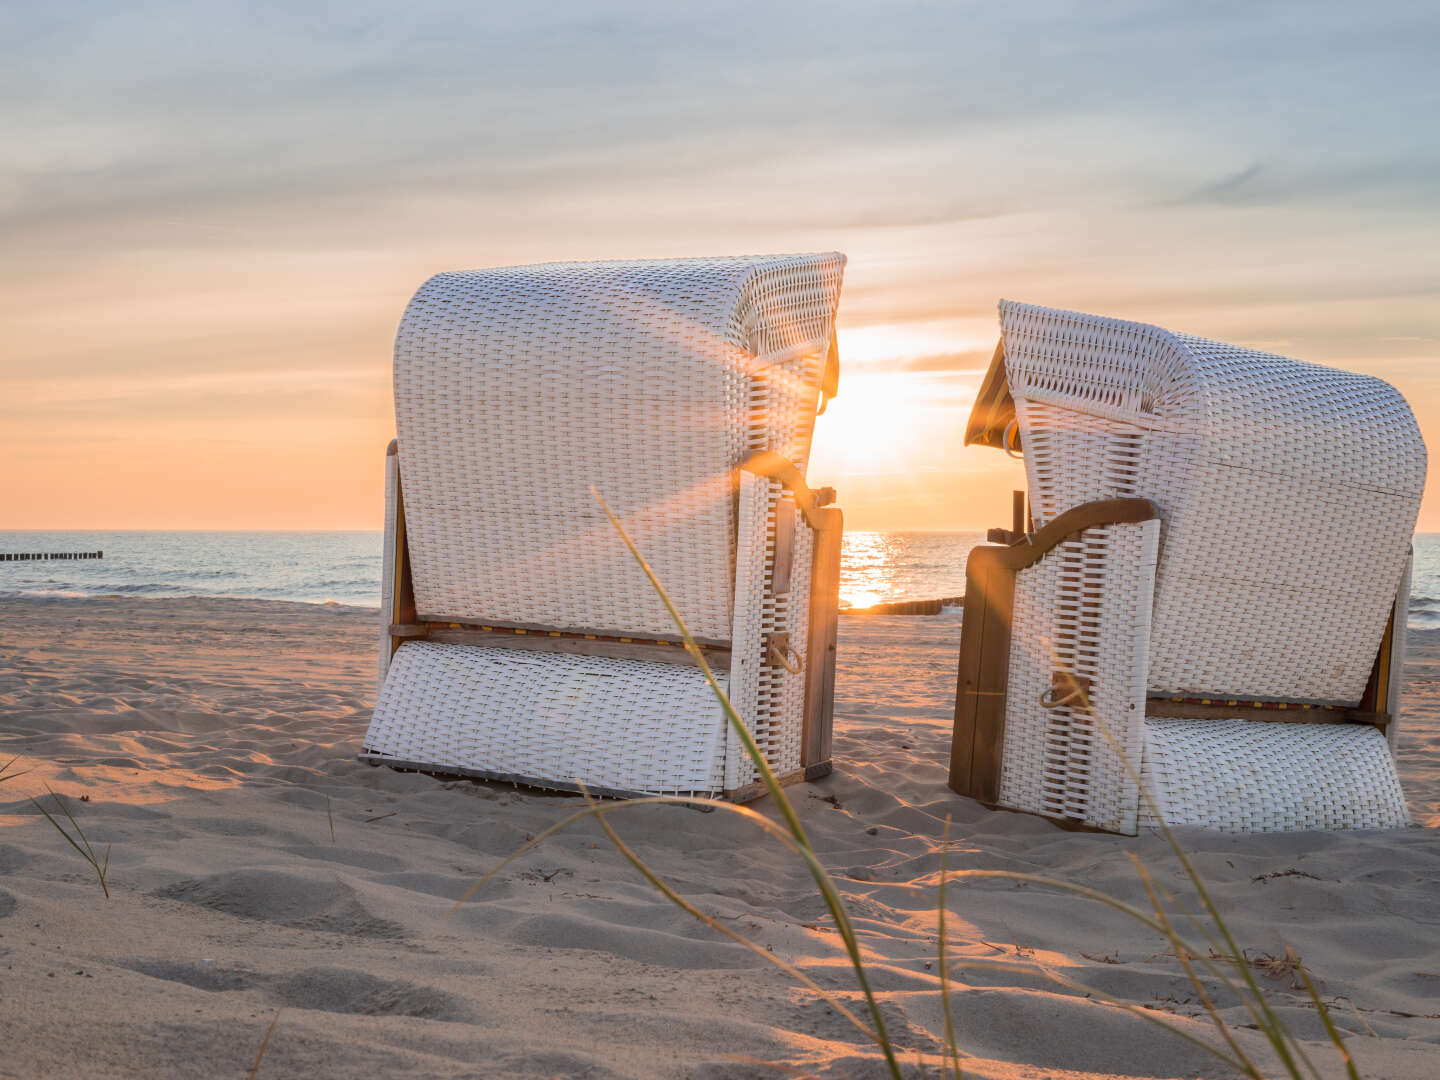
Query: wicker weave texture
[1083, 609]
[1256, 776]
[748, 648]
[516, 389]
[387, 561]
[625, 725]
[1288, 493]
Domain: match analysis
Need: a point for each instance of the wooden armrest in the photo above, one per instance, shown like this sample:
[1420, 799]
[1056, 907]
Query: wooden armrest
[1089, 515]
[768, 463]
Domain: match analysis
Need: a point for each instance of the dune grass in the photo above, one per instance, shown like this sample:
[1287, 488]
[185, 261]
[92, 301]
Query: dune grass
[1215, 954]
[265, 1044]
[80, 842]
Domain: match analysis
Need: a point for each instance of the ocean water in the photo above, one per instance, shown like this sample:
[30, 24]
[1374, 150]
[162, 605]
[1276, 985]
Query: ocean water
[344, 567]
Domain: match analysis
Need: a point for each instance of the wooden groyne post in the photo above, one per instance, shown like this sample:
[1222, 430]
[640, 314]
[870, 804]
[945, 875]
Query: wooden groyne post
[907, 607]
[35, 556]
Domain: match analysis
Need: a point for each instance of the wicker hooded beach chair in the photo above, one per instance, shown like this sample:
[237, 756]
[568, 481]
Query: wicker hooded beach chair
[521, 640]
[1211, 586]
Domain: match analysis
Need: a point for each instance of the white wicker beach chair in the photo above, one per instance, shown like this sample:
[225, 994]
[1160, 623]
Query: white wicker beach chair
[1213, 607]
[521, 640]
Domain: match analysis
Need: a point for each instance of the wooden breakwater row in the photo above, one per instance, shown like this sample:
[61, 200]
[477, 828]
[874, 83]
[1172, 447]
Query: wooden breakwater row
[907, 607]
[33, 556]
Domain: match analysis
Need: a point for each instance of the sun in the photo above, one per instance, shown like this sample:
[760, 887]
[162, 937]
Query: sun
[869, 427]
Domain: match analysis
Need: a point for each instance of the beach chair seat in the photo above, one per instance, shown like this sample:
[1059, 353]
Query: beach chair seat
[1200, 616]
[521, 640]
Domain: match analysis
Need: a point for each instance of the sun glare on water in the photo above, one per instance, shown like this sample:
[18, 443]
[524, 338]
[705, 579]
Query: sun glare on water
[860, 598]
[867, 577]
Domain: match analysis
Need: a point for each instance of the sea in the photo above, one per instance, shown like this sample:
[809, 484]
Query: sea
[344, 567]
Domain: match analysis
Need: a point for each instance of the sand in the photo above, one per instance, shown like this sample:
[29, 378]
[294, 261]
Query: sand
[214, 742]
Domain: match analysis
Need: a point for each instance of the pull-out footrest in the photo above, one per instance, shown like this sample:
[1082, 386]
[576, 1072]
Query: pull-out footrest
[1259, 776]
[617, 727]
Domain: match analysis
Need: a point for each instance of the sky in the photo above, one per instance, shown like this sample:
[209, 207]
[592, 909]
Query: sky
[213, 214]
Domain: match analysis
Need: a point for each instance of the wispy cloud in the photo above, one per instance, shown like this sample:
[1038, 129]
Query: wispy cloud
[1412, 179]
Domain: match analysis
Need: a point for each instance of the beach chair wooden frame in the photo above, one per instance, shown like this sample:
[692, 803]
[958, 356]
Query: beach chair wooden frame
[774, 650]
[1079, 698]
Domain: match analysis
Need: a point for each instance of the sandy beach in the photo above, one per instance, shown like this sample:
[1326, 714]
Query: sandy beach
[256, 866]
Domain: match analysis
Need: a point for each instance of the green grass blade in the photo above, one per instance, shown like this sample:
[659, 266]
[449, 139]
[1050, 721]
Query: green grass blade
[87, 852]
[61, 829]
[952, 1052]
[6, 774]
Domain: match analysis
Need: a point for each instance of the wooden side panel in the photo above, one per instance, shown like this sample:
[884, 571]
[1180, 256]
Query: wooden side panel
[824, 619]
[403, 611]
[397, 589]
[978, 742]
[1399, 616]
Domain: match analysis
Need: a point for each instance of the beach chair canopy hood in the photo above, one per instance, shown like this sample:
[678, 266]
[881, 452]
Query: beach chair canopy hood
[517, 389]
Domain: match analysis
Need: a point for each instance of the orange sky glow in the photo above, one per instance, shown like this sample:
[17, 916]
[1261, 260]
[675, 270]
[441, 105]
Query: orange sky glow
[206, 241]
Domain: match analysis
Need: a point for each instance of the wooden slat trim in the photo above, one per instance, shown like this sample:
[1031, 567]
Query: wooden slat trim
[717, 658]
[579, 632]
[1289, 714]
[751, 792]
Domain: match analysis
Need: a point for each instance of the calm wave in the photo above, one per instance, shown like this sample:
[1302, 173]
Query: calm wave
[344, 567]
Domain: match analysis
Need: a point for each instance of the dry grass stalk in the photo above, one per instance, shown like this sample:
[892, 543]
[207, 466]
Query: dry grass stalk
[82, 845]
[265, 1043]
[1221, 956]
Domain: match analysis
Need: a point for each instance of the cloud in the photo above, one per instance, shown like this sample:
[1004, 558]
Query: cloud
[1408, 179]
[1226, 188]
[118, 109]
